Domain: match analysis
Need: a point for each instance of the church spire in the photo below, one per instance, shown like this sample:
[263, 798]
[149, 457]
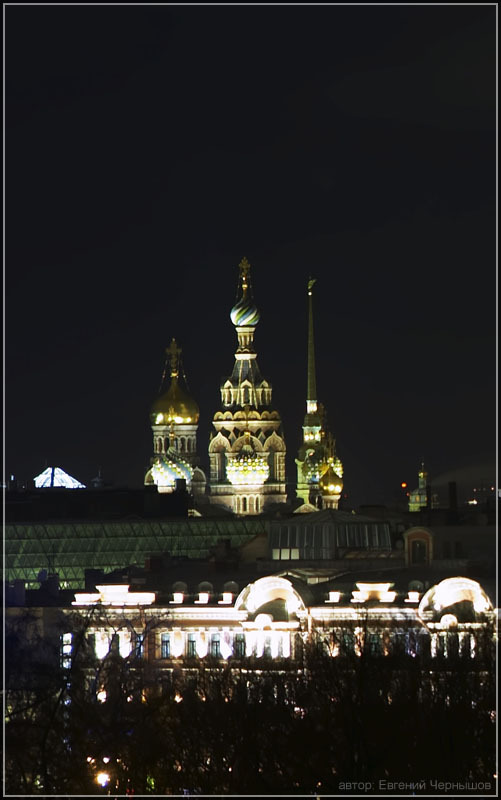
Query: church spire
[319, 471]
[311, 395]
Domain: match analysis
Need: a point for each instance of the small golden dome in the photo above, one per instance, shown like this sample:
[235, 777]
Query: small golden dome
[330, 482]
[176, 406]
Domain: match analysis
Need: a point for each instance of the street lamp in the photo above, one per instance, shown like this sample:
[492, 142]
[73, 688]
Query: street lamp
[103, 778]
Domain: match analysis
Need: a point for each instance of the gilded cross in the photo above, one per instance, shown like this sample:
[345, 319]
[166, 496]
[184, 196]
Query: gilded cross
[173, 352]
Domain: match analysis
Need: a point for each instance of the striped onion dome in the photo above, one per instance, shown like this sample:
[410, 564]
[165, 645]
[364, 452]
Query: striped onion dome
[166, 471]
[244, 313]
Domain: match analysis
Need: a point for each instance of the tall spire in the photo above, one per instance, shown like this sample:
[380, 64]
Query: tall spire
[319, 470]
[311, 395]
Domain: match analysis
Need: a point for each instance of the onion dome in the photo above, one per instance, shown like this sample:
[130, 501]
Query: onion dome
[248, 468]
[244, 313]
[166, 470]
[330, 482]
[176, 406]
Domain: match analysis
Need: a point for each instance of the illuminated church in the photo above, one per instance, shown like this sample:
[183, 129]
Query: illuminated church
[247, 447]
[174, 422]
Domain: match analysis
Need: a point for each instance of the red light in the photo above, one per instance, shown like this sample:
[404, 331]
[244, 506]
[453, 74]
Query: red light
[403, 485]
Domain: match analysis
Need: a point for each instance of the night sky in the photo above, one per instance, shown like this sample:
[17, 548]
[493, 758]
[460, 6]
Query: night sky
[150, 148]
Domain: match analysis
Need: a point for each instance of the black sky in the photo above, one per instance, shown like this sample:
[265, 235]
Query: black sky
[149, 148]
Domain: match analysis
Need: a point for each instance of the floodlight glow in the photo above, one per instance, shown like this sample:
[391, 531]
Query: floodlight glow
[202, 644]
[455, 590]
[114, 595]
[159, 418]
[177, 644]
[448, 621]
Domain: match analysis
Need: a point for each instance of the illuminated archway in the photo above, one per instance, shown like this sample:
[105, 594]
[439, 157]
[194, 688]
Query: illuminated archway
[265, 590]
[451, 591]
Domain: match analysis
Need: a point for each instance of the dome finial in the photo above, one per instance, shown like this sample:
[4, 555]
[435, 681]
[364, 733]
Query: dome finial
[173, 352]
[244, 268]
[244, 312]
[311, 399]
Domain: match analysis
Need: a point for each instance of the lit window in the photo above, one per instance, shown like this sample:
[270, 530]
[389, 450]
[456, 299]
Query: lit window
[239, 645]
[215, 645]
[138, 645]
[285, 554]
[192, 645]
[295, 553]
[275, 554]
[165, 645]
[203, 597]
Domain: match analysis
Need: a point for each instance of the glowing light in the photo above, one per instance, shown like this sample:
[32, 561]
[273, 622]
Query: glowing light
[178, 419]
[226, 650]
[106, 759]
[101, 696]
[202, 644]
[227, 598]
[412, 598]
[177, 645]
[403, 485]
[334, 597]
[203, 597]
[266, 589]
[159, 418]
[448, 621]
[248, 469]
[178, 698]
[373, 591]
[114, 595]
[455, 590]
[103, 778]
[178, 597]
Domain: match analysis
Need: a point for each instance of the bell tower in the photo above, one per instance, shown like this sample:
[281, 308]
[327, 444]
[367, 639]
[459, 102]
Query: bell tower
[247, 449]
[319, 471]
[174, 422]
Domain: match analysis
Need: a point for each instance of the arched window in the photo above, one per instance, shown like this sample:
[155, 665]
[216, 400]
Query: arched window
[159, 445]
[182, 444]
[257, 505]
[166, 445]
[237, 505]
[251, 505]
[188, 445]
[244, 504]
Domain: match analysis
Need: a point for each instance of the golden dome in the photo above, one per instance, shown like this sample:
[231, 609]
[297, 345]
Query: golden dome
[330, 482]
[176, 406]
